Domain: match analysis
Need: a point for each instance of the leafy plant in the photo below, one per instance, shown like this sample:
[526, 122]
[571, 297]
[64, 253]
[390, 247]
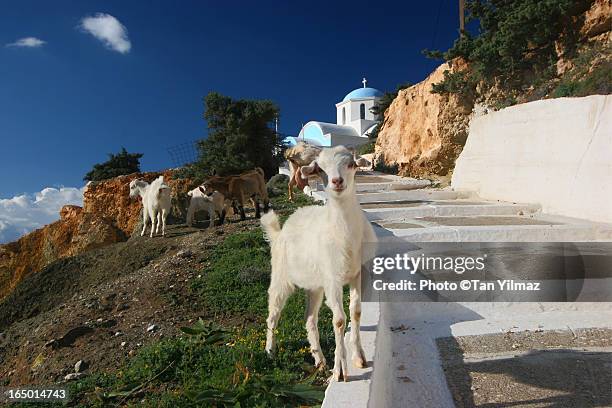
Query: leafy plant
[240, 137]
[383, 167]
[117, 165]
[515, 44]
[366, 148]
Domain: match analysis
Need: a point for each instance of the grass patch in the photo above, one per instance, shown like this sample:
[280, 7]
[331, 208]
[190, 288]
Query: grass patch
[215, 366]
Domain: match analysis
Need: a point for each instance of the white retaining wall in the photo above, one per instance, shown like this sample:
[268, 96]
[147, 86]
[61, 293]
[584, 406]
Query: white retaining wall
[555, 152]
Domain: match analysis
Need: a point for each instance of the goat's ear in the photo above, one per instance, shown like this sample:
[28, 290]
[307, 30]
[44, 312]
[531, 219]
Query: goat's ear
[202, 189]
[312, 168]
[361, 162]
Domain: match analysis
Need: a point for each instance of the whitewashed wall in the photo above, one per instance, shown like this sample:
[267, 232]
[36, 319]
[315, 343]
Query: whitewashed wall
[556, 152]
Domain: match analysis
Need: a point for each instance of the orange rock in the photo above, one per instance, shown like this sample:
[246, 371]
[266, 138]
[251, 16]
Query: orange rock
[425, 132]
[108, 216]
[598, 19]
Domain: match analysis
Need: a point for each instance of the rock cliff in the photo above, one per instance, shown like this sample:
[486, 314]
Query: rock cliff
[424, 132]
[108, 216]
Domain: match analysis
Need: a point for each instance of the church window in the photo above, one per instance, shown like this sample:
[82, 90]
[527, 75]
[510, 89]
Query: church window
[362, 111]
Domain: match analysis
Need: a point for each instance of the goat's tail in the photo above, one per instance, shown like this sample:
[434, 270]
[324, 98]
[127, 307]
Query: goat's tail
[270, 225]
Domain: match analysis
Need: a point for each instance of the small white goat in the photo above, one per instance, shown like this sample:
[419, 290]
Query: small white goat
[200, 201]
[320, 250]
[156, 203]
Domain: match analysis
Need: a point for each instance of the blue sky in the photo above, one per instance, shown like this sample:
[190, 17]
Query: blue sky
[66, 103]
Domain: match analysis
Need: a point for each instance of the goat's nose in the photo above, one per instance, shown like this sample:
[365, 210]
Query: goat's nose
[337, 181]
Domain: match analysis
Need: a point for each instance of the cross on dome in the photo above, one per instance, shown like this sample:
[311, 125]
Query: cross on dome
[364, 82]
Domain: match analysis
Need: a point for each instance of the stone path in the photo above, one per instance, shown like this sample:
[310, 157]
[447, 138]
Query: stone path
[402, 340]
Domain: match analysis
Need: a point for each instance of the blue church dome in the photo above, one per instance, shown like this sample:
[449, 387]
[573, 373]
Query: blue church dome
[363, 93]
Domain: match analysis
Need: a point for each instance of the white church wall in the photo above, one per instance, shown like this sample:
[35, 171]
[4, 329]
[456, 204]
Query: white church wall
[348, 141]
[347, 107]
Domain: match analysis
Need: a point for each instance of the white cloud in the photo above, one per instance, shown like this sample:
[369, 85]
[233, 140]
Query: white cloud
[30, 42]
[24, 213]
[109, 30]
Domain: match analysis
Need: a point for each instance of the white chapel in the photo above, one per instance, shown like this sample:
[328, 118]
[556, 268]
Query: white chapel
[354, 120]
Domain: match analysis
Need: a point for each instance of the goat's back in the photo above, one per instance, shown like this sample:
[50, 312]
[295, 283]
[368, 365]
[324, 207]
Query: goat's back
[302, 154]
[314, 248]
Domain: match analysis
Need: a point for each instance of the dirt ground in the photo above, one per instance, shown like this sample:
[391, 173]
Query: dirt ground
[103, 305]
[534, 369]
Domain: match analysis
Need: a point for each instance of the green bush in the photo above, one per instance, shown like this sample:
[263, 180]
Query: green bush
[515, 44]
[366, 148]
[240, 138]
[595, 82]
[386, 168]
[118, 164]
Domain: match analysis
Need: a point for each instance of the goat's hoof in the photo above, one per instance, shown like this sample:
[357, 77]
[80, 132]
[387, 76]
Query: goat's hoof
[337, 375]
[360, 362]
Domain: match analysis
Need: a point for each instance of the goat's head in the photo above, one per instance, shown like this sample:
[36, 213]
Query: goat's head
[336, 166]
[206, 190]
[136, 187]
[209, 186]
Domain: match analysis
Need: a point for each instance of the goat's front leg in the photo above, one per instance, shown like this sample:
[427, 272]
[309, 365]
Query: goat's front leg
[222, 216]
[334, 301]
[315, 298]
[290, 189]
[211, 217]
[190, 215]
[145, 219]
[277, 296]
[154, 220]
[358, 356]
[164, 215]
[256, 206]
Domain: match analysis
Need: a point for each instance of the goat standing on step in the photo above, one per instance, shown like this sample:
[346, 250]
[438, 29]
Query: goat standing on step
[320, 249]
[156, 203]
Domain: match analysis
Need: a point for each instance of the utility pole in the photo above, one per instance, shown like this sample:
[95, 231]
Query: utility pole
[461, 17]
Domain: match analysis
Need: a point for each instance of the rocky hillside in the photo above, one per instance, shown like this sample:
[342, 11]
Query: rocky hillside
[424, 132]
[108, 216]
[168, 322]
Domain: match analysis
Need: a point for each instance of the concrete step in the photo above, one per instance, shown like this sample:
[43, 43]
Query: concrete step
[407, 184]
[407, 209]
[500, 233]
[424, 194]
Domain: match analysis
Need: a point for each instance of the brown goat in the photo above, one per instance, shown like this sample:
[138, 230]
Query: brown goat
[249, 185]
[297, 156]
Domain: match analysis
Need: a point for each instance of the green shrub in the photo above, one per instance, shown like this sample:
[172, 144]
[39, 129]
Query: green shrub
[515, 44]
[386, 168]
[366, 148]
[595, 82]
[240, 137]
[118, 164]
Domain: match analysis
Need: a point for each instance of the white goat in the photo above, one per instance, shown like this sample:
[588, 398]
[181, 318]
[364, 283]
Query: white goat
[200, 201]
[156, 203]
[320, 249]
